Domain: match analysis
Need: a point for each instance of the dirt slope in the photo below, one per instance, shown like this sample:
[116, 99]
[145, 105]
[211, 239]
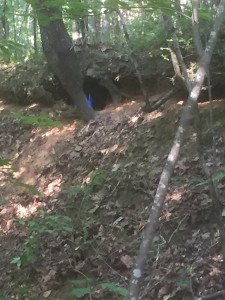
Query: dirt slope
[103, 177]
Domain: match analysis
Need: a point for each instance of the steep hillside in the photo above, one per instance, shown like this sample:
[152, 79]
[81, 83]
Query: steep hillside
[75, 198]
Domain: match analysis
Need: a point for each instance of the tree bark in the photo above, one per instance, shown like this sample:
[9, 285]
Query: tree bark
[195, 28]
[35, 34]
[187, 118]
[4, 20]
[57, 47]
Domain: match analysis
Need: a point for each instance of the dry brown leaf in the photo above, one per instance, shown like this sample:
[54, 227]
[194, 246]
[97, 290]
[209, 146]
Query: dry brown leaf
[47, 294]
[127, 261]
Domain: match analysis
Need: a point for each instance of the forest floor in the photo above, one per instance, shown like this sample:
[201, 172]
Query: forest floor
[75, 199]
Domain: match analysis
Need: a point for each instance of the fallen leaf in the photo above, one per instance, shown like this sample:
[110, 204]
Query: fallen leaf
[47, 294]
[127, 261]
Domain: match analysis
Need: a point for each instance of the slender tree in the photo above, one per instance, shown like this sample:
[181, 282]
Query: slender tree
[187, 118]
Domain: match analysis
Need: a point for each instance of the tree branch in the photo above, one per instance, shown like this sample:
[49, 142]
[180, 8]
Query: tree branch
[186, 119]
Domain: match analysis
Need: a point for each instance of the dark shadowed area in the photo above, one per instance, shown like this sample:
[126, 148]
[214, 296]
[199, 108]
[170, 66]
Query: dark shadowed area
[100, 95]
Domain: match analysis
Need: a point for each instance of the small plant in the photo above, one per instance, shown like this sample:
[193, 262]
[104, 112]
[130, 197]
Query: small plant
[43, 120]
[48, 224]
[185, 276]
[4, 162]
[216, 177]
[29, 253]
[87, 286]
[97, 180]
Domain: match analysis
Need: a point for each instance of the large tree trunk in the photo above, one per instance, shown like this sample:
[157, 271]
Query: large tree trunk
[57, 47]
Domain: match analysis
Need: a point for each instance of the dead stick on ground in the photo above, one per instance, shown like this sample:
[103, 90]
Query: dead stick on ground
[215, 296]
[187, 118]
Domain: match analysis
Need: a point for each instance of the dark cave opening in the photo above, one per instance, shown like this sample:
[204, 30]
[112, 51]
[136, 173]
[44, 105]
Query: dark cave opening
[99, 94]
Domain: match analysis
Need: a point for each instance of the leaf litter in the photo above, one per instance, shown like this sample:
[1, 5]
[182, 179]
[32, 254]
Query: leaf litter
[126, 149]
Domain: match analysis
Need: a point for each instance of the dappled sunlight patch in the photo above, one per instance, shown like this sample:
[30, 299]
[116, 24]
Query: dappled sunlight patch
[215, 103]
[113, 149]
[167, 214]
[134, 119]
[43, 149]
[174, 197]
[33, 105]
[27, 211]
[60, 131]
[2, 106]
[17, 210]
[19, 172]
[215, 271]
[153, 116]
[124, 106]
[53, 187]
[218, 257]
[177, 195]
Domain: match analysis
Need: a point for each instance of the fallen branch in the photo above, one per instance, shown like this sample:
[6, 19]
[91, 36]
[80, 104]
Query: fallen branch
[155, 105]
[214, 296]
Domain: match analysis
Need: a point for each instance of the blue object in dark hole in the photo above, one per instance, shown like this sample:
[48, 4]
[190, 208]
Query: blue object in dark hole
[90, 101]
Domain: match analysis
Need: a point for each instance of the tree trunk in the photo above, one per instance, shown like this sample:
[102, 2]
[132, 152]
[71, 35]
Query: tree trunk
[57, 47]
[35, 34]
[187, 117]
[4, 20]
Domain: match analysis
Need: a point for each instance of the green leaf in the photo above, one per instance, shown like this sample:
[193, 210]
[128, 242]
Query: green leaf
[80, 292]
[215, 177]
[17, 261]
[114, 288]
[4, 162]
[183, 283]
[42, 121]
[206, 15]
[82, 282]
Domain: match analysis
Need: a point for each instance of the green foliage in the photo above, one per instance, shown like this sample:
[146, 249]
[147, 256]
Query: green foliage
[87, 286]
[97, 180]
[82, 287]
[75, 191]
[46, 224]
[51, 224]
[29, 253]
[24, 290]
[9, 50]
[42, 120]
[216, 177]
[81, 292]
[4, 162]
[205, 14]
[116, 289]
[147, 34]
[185, 276]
